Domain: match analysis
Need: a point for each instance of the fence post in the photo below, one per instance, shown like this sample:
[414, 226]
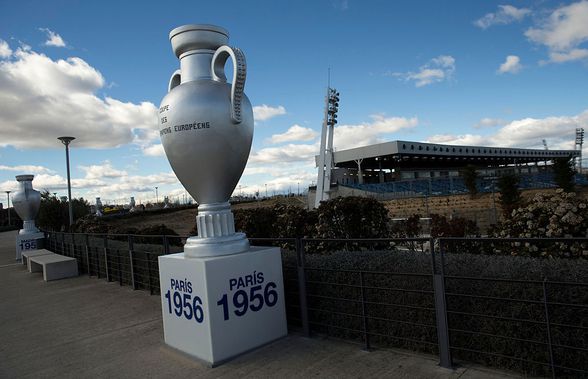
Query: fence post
[441, 310]
[120, 281]
[366, 335]
[546, 307]
[165, 245]
[106, 258]
[131, 262]
[302, 286]
[87, 241]
[63, 243]
[149, 272]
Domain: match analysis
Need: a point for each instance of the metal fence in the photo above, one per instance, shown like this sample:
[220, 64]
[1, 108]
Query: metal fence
[414, 293]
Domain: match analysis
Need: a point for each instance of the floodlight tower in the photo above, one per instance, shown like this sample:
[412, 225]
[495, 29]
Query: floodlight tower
[325, 164]
[578, 146]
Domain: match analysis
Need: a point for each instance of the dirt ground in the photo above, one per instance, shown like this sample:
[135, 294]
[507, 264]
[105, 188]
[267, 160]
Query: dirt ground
[182, 221]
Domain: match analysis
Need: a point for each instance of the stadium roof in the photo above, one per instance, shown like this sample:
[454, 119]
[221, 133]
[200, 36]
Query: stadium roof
[408, 154]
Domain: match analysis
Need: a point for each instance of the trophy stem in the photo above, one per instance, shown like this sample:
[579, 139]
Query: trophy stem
[28, 226]
[216, 233]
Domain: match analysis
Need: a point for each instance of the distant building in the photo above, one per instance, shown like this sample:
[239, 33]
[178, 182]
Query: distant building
[406, 168]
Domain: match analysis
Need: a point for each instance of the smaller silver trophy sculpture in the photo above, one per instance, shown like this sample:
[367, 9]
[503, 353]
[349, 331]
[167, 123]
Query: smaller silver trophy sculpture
[206, 128]
[132, 205]
[26, 202]
[98, 208]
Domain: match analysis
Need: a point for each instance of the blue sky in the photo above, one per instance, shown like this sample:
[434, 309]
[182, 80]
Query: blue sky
[490, 73]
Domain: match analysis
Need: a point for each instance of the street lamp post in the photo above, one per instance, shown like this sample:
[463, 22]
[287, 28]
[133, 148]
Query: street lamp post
[8, 206]
[66, 141]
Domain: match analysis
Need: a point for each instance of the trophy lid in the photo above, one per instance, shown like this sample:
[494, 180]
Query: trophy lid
[197, 36]
[24, 178]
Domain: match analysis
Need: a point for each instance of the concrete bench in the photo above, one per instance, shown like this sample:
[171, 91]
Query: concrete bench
[33, 253]
[54, 266]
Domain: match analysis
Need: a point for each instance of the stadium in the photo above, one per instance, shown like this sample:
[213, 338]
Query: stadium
[406, 169]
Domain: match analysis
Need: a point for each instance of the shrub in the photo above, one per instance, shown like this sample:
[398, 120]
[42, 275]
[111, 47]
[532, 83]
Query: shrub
[256, 222]
[441, 226]
[91, 224]
[563, 173]
[409, 228]
[560, 214]
[470, 176]
[294, 221]
[54, 213]
[510, 196]
[351, 217]
[157, 230]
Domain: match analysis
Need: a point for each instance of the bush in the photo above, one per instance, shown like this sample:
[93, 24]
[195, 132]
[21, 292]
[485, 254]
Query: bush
[351, 217]
[510, 196]
[54, 213]
[563, 173]
[293, 221]
[256, 222]
[441, 226]
[157, 230]
[556, 215]
[91, 224]
[409, 228]
[470, 176]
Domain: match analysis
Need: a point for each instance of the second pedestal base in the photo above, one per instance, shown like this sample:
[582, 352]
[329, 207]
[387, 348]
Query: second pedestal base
[29, 241]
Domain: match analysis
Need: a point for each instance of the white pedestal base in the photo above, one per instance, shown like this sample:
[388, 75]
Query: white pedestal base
[215, 308]
[29, 241]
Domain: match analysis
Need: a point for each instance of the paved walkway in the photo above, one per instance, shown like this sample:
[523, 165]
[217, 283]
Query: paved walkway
[88, 328]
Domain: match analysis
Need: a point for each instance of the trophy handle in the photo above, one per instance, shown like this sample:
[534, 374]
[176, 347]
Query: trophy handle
[239, 74]
[175, 80]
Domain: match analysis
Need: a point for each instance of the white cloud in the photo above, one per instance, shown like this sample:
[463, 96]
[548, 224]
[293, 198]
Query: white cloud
[5, 50]
[27, 169]
[489, 122]
[562, 32]
[283, 167]
[279, 177]
[53, 39]
[293, 134]
[265, 112]
[104, 170]
[506, 14]
[436, 70]
[367, 133]
[154, 150]
[527, 132]
[512, 65]
[572, 55]
[341, 5]
[286, 153]
[42, 99]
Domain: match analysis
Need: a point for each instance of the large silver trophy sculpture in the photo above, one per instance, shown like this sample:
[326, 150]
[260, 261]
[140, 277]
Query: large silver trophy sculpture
[206, 128]
[26, 202]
